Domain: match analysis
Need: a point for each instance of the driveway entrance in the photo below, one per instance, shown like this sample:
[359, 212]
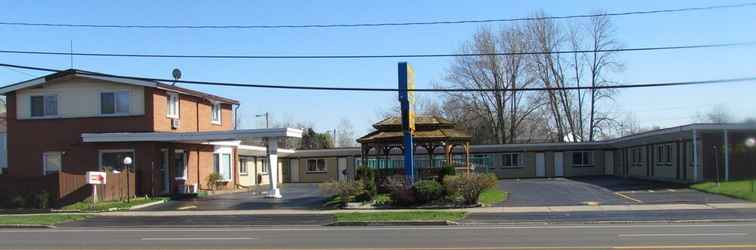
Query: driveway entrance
[601, 190]
[295, 196]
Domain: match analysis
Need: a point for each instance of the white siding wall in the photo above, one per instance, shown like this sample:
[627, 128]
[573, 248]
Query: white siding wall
[79, 97]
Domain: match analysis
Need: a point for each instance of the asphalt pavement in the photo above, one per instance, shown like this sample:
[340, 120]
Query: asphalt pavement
[295, 196]
[630, 236]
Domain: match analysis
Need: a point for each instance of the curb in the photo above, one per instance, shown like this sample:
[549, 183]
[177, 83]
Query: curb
[612, 222]
[147, 205]
[392, 223]
[17, 226]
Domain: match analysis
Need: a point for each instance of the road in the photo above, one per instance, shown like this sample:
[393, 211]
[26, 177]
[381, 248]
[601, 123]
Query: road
[612, 236]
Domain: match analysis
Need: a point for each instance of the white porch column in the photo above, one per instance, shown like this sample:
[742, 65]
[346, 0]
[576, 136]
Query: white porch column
[272, 148]
[726, 149]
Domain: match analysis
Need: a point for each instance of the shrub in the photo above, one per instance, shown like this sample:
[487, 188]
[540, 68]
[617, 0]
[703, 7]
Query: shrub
[427, 191]
[367, 176]
[382, 200]
[447, 170]
[212, 180]
[41, 200]
[400, 190]
[17, 201]
[346, 190]
[469, 186]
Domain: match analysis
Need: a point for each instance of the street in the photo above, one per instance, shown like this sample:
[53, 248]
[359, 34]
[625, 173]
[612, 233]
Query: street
[612, 236]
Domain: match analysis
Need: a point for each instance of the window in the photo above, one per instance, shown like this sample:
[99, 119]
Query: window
[51, 162]
[316, 166]
[222, 162]
[44, 105]
[637, 157]
[664, 154]
[113, 159]
[244, 167]
[114, 102]
[173, 105]
[264, 168]
[216, 114]
[511, 160]
[582, 159]
[180, 160]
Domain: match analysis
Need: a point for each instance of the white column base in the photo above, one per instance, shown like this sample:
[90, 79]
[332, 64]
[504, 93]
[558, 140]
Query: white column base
[274, 193]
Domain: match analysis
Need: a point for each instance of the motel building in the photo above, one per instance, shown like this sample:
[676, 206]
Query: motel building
[62, 125]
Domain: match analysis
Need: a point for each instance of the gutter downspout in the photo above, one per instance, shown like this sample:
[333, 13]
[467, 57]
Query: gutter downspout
[236, 113]
[695, 156]
[726, 152]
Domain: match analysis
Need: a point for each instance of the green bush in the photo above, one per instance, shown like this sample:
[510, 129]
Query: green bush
[212, 180]
[367, 176]
[41, 200]
[427, 191]
[18, 201]
[469, 186]
[382, 200]
[345, 190]
[447, 170]
[400, 190]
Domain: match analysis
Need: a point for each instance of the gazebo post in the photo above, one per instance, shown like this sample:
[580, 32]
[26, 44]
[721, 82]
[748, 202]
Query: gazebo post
[467, 156]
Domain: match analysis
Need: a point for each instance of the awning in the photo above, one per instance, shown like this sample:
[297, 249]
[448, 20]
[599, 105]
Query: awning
[210, 136]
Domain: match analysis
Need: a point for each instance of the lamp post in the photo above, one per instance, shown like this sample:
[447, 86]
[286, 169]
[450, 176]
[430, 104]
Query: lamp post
[126, 162]
[267, 122]
[750, 143]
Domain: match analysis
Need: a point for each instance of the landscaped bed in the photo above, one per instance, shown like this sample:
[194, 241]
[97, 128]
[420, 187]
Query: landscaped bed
[736, 189]
[492, 196]
[41, 219]
[104, 206]
[399, 216]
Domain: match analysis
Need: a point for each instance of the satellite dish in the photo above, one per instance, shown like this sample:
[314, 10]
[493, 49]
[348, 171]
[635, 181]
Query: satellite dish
[176, 73]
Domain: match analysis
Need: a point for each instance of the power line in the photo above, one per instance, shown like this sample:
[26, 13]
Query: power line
[352, 25]
[679, 47]
[301, 87]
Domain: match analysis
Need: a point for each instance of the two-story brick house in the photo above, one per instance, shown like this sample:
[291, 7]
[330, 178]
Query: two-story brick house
[75, 121]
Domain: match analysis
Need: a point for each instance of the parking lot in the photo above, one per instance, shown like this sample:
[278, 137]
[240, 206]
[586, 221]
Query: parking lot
[295, 196]
[602, 190]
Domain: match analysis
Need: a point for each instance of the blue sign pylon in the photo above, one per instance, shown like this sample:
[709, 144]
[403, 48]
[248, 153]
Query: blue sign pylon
[407, 101]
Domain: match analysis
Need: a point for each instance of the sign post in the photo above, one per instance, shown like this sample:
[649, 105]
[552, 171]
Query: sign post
[95, 178]
[407, 104]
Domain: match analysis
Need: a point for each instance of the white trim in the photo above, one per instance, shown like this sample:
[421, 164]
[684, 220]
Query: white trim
[44, 160]
[228, 135]
[171, 96]
[99, 155]
[186, 163]
[212, 113]
[220, 151]
[115, 103]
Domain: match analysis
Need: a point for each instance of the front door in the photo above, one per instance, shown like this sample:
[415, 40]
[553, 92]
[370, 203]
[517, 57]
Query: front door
[165, 179]
[294, 165]
[540, 165]
[558, 164]
[343, 175]
[609, 167]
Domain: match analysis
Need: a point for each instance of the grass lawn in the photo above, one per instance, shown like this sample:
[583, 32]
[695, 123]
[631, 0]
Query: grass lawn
[400, 216]
[107, 205]
[736, 189]
[41, 219]
[492, 195]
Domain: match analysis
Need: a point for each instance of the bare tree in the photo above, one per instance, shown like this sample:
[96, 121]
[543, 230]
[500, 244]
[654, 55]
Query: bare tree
[345, 134]
[601, 38]
[717, 114]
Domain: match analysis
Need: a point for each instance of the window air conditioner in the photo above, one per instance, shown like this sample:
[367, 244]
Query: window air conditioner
[175, 123]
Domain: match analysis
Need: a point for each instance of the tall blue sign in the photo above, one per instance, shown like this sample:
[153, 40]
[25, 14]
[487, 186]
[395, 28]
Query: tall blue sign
[407, 104]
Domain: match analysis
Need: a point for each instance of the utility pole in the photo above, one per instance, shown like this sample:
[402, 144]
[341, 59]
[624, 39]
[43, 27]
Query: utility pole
[267, 121]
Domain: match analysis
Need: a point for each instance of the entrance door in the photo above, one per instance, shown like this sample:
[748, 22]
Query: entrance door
[294, 165]
[558, 164]
[540, 165]
[164, 177]
[342, 169]
[609, 166]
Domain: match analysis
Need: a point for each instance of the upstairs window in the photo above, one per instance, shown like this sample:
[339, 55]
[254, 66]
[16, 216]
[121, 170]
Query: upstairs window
[173, 105]
[511, 160]
[114, 103]
[582, 159]
[44, 105]
[216, 113]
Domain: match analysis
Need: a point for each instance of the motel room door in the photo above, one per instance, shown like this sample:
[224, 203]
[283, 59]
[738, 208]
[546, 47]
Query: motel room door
[540, 165]
[165, 179]
[609, 166]
[558, 164]
[343, 175]
[294, 170]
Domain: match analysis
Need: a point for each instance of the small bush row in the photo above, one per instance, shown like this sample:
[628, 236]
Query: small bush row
[39, 200]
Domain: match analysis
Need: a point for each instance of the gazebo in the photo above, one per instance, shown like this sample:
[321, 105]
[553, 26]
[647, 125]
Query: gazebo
[431, 132]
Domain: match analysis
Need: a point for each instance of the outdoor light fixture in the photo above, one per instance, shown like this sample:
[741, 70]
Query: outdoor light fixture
[750, 142]
[126, 162]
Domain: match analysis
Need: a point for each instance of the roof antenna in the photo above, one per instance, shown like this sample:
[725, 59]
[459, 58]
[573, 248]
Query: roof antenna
[70, 51]
[176, 75]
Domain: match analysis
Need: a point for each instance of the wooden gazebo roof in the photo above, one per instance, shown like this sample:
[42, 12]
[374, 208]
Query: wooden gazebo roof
[427, 129]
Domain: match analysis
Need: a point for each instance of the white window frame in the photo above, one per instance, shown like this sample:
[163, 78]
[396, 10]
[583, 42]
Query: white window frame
[216, 108]
[504, 160]
[325, 166]
[664, 154]
[45, 98]
[116, 112]
[45, 155]
[264, 167]
[100, 152]
[589, 163]
[185, 159]
[219, 153]
[243, 165]
[173, 99]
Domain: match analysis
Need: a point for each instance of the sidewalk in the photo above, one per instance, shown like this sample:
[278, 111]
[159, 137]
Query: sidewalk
[598, 208]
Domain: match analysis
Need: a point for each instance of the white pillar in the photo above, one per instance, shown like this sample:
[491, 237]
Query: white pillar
[272, 148]
[726, 149]
[695, 156]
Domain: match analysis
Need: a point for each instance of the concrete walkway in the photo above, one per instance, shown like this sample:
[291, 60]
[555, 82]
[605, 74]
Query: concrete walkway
[640, 207]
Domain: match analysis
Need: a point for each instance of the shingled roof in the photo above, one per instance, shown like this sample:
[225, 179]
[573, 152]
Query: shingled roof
[427, 128]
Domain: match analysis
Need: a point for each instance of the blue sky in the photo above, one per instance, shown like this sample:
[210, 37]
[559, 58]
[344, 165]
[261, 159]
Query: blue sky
[660, 106]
